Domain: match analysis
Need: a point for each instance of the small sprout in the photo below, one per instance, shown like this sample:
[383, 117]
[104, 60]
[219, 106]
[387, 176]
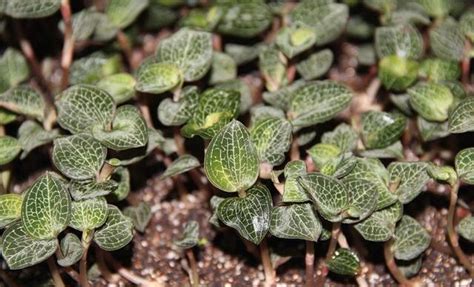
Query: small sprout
[71, 250]
[181, 165]
[442, 173]
[140, 215]
[344, 262]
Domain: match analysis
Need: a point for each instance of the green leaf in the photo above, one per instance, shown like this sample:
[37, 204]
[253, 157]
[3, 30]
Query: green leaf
[343, 136]
[435, 69]
[10, 208]
[223, 69]
[155, 139]
[240, 85]
[466, 228]
[93, 68]
[181, 165]
[411, 239]
[245, 20]
[214, 202]
[442, 173]
[82, 107]
[215, 109]
[339, 166]
[467, 24]
[397, 73]
[272, 139]
[461, 119]
[359, 28]
[90, 188]
[380, 226]
[402, 103]
[411, 178]
[344, 262]
[122, 176]
[293, 191]
[231, 159]
[381, 129]
[242, 54]
[25, 101]
[88, 214]
[249, 215]
[171, 113]
[363, 197]
[317, 102]
[404, 41]
[9, 149]
[447, 40]
[382, 6]
[189, 50]
[431, 101]
[410, 268]
[157, 78]
[140, 215]
[84, 23]
[119, 86]
[328, 194]
[272, 64]
[123, 12]
[105, 30]
[366, 55]
[31, 135]
[46, 207]
[328, 20]
[436, 8]
[13, 69]
[6, 117]
[464, 163]
[293, 40]
[71, 250]
[432, 130]
[129, 130]
[21, 251]
[316, 65]
[202, 19]
[190, 236]
[116, 232]
[31, 8]
[323, 153]
[305, 138]
[281, 98]
[295, 221]
[392, 151]
[78, 156]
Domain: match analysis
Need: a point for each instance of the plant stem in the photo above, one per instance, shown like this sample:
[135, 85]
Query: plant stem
[466, 63]
[452, 235]
[126, 48]
[144, 109]
[392, 265]
[105, 172]
[309, 262]
[68, 47]
[53, 269]
[342, 240]
[194, 276]
[336, 228]
[86, 242]
[267, 263]
[104, 270]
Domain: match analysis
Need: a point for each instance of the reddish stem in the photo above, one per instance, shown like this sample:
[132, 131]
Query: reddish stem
[68, 47]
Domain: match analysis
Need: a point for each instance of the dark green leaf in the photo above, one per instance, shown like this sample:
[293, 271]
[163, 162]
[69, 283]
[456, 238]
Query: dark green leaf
[411, 178]
[31, 135]
[295, 221]
[316, 65]
[447, 40]
[431, 101]
[344, 262]
[88, 214]
[9, 149]
[343, 136]
[190, 236]
[464, 163]
[432, 130]
[380, 226]
[181, 165]
[381, 129]
[461, 119]
[466, 228]
[272, 139]
[90, 188]
[71, 250]
[172, 113]
[140, 215]
[363, 197]
[25, 101]
[404, 41]
[31, 8]
[411, 239]
[116, 232]
[245, 19]
[93, 68]
[293, 191]
[13, 69]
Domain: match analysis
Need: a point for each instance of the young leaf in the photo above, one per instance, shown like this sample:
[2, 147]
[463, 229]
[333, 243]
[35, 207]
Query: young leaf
[31, 8]
[116, 232]
[78, 156]
[181, 165]
[317, 102]
[190, 236]
[411, 178]
[171, 113]
[10, 208]
[123, 12]
[397, 73]
[242, 54]
[343, 136]
[381, 129]
[323, 153]
[431, 101]
[245, 19]
[435, 69]
[25, 101]
[293, 191]
[82, 107]
[31, 135]
[447, 40]
[464, 163]
[122, 176]
[129, 130]
[231, 159]
[214, 202]
[93, 68]
[316, 65]
[281, 98]
[140, 215]
[249, 215]
[272, 139]
[88, 214]
[344, 262]
[403, 41]
[157, 78]
[189, 50]
[21, 251]
[295, 221]
[90, 188]
[223, 69]
[461, 119]
[71, 250]
[6, 116]
[9, 149]
[84, 23]
[272, 65]
[119, 86]
[363, 197]
[380, 226]
[467, 24]
[46, 207]
[215, 109]
[432, 130]
[411, 239]
[239, 85]
[293, 40]
[13, 69]
[466, 228]
[328, 194]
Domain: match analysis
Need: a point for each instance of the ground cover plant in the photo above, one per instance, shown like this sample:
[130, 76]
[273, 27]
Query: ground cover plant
[315, 133]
